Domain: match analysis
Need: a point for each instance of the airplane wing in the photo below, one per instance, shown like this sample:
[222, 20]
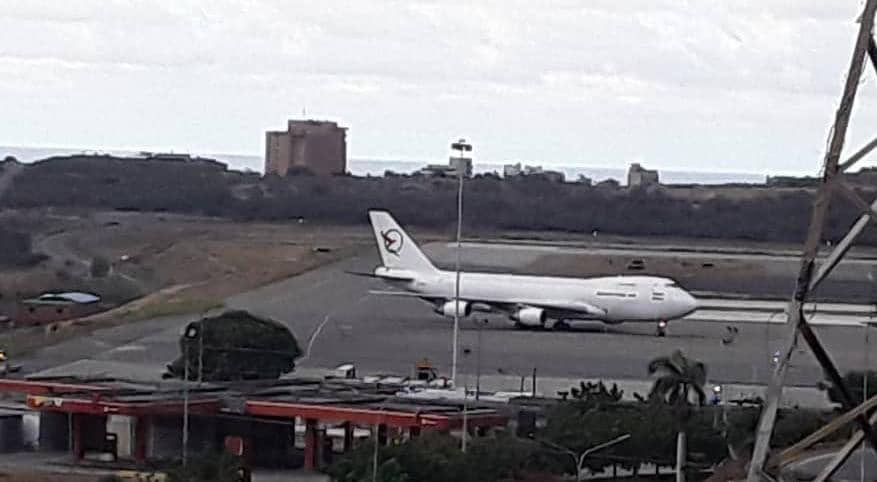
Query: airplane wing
[380, 273]
[573, 307]
[402, 293]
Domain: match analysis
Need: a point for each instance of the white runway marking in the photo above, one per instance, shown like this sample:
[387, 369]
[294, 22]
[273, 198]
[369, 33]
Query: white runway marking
[129, 348]
[313, 338]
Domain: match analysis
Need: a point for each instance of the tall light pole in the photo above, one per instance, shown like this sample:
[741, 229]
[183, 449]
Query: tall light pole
[462, 147]
[185, 402]
[478, 362]
[189, 335]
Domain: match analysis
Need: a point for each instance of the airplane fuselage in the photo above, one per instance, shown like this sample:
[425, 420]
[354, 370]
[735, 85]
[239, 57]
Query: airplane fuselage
[623, 298]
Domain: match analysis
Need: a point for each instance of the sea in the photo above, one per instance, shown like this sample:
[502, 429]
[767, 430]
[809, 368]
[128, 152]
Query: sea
[377, 167]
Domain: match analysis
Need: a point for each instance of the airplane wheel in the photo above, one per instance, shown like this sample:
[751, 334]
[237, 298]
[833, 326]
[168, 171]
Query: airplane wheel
[662, 329]
[561, 325]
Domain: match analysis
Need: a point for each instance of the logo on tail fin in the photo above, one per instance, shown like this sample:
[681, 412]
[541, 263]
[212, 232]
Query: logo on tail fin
[392, 240]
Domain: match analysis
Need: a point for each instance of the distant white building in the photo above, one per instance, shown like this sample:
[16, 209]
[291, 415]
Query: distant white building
[511, 170]
[514, 170]
[453, 168]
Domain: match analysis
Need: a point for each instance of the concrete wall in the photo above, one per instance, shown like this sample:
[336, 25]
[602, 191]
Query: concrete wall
[123, 427]
[31, 429]
[320, 147]
[277, 153]
[324, 151]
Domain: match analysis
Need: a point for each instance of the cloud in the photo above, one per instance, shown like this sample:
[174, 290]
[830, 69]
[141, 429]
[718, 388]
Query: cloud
[760, 78]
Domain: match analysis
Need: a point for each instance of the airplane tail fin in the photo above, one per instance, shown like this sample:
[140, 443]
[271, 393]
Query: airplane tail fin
[397, 249]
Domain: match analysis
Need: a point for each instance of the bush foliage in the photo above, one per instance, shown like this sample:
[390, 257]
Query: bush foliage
[236, 345]
[531, 203]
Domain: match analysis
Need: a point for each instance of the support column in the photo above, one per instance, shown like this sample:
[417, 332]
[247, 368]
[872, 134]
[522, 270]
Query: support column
[382, 435]
[414, 432]
[326, 445]
[348, 436]
[141, 437]
[78, 447]
[311, 444]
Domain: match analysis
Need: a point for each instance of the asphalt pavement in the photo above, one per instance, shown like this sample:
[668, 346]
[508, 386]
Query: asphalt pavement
[861, 466]
[338, 321]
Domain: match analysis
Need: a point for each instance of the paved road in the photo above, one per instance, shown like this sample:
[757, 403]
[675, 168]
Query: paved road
[383, 334]
[333, 314]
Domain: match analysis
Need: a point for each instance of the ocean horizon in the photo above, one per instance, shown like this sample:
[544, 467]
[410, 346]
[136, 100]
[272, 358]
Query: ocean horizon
[377, 167]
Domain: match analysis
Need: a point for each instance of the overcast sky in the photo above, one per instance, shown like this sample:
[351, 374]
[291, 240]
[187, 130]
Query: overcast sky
[718, 85]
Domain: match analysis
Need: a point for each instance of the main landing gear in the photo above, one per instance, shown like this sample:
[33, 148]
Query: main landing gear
[560, 325]
[662, 329]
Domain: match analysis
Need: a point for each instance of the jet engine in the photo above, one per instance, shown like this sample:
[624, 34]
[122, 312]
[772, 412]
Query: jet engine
[529, 316]
[449, 308]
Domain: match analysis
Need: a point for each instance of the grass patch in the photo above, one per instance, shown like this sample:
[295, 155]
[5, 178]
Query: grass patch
[168, 307]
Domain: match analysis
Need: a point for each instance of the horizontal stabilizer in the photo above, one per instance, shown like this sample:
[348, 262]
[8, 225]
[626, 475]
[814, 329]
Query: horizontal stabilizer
[396, 293]
[384, 273]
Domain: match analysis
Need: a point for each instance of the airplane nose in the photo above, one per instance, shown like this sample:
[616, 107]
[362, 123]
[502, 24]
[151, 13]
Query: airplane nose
[690, 302]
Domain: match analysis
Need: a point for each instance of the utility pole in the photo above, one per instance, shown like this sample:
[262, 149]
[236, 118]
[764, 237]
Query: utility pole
[465, 416]
[375, 454]
[185, 401]
[462, 146]
[478, 363]
[832, 180]
[200, 351]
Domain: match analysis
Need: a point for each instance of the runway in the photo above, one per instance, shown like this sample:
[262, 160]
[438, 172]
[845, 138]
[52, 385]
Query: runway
[333, 313]
[386, 334]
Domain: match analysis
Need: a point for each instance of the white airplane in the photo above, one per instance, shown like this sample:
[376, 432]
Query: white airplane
[530, 301]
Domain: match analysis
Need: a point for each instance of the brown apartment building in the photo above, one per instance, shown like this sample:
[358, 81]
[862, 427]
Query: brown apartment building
[318, 146]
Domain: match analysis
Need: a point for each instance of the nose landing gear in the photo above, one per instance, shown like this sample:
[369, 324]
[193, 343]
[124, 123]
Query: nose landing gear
[662, 329]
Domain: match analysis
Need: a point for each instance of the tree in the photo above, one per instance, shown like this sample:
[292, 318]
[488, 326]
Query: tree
[855, 381]
[680, 382]
[215, 467]
[435, 457]
[596, 392]
[236, 345]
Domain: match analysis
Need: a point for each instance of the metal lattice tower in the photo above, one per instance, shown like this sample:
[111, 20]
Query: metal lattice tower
[833, 182]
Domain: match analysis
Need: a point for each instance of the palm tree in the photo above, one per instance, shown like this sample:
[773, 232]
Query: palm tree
[680, 383]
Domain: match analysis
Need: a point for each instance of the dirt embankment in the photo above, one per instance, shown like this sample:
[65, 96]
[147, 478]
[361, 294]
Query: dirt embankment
[170, 263]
